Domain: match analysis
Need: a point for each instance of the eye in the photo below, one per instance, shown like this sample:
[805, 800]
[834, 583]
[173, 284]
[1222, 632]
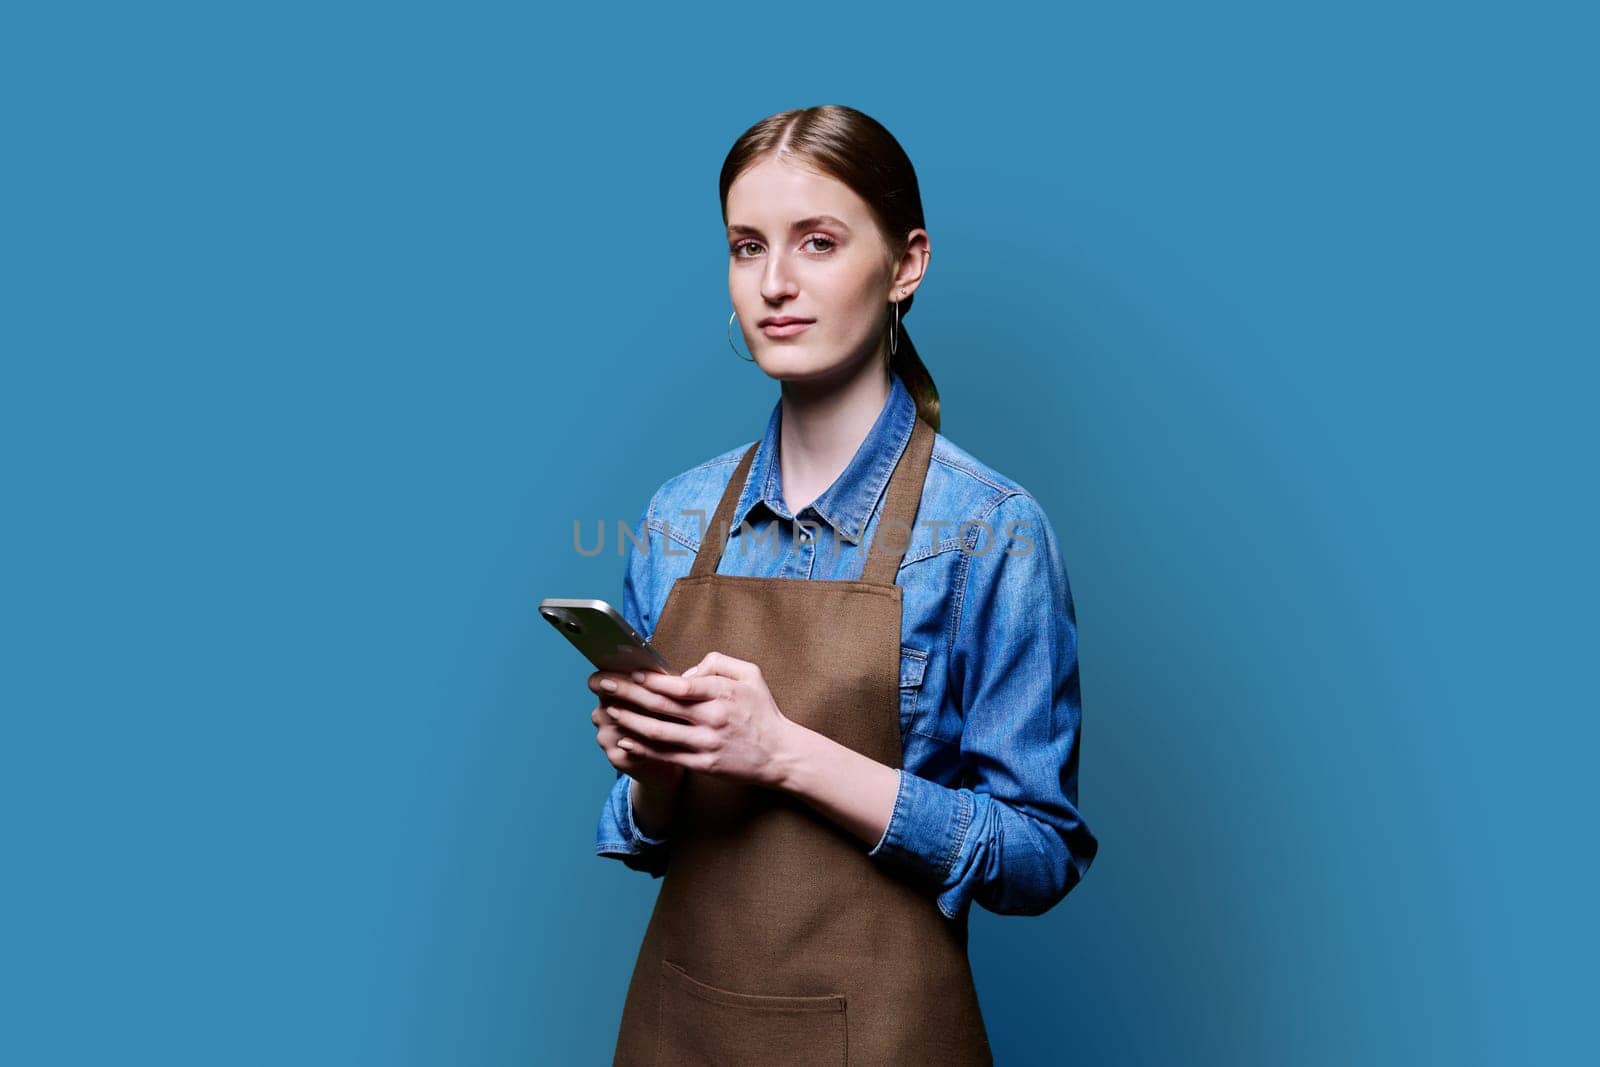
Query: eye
[738, 248]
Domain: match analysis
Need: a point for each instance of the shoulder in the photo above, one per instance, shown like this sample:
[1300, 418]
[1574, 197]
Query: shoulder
[697, 489]
[953, 468]
[1008, 551]
[976, 500]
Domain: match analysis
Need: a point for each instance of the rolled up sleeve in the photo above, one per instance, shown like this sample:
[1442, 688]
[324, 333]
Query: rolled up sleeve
[1010, 836]
[616, 834]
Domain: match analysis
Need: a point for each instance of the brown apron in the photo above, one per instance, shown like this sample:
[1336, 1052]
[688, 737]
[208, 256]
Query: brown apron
[775, 938]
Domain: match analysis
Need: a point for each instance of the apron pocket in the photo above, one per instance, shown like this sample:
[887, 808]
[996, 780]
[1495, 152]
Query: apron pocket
[703, 1025]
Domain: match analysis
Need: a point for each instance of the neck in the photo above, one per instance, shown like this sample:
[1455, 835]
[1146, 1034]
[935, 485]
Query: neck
[822, 426]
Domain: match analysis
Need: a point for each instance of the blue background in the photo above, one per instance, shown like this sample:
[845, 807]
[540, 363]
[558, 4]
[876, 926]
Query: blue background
[323, 323]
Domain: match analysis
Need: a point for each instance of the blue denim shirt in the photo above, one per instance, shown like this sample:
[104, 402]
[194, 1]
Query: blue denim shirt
[987, 803]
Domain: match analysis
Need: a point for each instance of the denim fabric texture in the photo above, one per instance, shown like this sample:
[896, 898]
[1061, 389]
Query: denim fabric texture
[990, 717]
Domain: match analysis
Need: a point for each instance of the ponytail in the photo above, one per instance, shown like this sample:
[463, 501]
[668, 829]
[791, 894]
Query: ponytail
[907, 363]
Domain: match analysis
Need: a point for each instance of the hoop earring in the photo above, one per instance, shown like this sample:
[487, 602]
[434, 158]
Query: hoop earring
[894, 333]
[741, 355]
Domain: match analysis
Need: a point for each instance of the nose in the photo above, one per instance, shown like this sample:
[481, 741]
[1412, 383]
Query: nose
[777, 282]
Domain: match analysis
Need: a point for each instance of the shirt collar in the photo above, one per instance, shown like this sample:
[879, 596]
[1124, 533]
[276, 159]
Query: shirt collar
[849, 502]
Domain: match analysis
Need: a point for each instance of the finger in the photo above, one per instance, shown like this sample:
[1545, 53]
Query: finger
[683, 688]
[610, 741]
[614, 732]
[598, 681]
[633, 696]
[716, 663]
[638, 748]
[656, 730]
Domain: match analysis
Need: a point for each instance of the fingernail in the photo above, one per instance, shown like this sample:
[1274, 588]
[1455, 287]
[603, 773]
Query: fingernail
[691, 670]
[609, 685]
[624, 743]
[638, 676]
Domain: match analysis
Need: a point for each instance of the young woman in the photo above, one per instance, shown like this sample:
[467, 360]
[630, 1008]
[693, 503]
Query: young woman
[879, 719]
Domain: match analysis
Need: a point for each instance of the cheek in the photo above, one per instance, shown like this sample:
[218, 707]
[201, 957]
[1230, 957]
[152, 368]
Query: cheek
[854, 314]
[846, 298]
[744, 288]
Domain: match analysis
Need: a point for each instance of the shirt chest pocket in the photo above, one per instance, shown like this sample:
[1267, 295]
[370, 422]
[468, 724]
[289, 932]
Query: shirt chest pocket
[913, 666]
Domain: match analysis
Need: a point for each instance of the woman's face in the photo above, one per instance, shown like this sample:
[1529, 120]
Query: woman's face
[803, 245]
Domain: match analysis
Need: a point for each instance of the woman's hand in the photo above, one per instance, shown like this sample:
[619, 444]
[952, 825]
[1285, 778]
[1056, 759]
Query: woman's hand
[731, 726]
[646, 771]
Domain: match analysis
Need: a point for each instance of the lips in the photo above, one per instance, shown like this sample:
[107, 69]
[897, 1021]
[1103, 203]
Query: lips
[784, 325]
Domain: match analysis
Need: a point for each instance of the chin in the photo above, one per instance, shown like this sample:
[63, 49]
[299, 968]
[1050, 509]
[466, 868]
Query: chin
[795, 365]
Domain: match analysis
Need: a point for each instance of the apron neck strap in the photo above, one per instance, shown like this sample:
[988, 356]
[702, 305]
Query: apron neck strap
[892, 536]
[721, 526]
[894, 529]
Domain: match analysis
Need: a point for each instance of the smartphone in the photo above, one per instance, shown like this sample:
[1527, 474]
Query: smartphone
[599, 631]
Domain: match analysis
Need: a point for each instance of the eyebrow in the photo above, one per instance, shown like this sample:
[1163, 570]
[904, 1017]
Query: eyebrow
[802, 224]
